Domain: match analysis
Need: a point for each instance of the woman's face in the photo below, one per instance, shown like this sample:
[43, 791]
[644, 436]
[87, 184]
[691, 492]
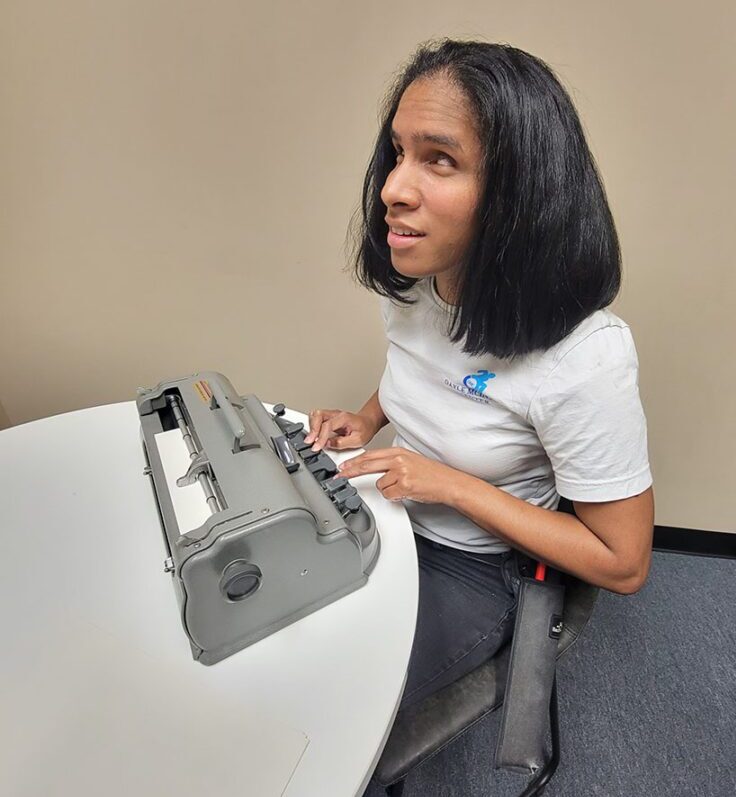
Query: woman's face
[436, 183]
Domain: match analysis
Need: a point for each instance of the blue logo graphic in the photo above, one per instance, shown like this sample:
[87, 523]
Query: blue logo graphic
[478, 381]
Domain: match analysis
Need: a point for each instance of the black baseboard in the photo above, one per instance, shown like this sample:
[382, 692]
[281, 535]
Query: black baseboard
[695, 542]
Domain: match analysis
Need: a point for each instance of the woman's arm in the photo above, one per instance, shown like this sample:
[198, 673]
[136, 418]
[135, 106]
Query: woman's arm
[609, 544]
[373, 409]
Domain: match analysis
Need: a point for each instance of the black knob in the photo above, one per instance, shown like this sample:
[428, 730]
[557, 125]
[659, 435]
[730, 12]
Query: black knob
[321, 466]
[335, 485]
[353, 503]
[293, 429]
[240, 579]
[279, 409]
[345, 493]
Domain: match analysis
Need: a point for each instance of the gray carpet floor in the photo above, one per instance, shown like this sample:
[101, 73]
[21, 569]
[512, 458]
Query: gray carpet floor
[647, 699]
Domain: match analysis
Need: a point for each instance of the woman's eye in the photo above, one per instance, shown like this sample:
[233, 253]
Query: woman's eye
[443, 160]
[439, 158]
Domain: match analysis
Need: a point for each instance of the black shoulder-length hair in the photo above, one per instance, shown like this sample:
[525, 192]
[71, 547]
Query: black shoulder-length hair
[546, 253]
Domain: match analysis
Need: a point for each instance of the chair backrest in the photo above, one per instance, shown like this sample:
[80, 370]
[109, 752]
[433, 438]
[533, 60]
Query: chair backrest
[580, 598]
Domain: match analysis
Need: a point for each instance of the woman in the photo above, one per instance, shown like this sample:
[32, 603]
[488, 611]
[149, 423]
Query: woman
[487, 233]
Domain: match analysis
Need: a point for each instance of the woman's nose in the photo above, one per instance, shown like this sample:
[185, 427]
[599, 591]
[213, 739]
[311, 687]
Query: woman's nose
[399, 188]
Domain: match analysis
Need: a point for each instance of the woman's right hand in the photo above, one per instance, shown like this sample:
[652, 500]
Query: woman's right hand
[339, 430]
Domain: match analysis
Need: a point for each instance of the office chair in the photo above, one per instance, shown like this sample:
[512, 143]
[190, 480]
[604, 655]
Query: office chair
[423, 730]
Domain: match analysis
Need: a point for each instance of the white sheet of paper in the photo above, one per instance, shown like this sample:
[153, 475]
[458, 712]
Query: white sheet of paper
[190, 504]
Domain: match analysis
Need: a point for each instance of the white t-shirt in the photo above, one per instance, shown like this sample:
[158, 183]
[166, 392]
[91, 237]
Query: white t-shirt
[567, 421]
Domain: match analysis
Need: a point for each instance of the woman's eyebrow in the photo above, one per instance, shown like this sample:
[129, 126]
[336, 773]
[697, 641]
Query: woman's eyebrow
[431, 138]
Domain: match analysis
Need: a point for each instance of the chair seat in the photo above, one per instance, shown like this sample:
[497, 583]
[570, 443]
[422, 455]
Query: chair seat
[418, 734]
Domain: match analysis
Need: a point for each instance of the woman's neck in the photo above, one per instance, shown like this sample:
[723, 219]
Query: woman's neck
[445, 288]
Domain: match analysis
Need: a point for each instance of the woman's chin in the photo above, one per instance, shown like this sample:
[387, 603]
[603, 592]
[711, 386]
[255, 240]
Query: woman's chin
[410, 270]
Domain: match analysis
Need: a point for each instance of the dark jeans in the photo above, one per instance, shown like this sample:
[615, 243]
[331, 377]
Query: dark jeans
[467, 608]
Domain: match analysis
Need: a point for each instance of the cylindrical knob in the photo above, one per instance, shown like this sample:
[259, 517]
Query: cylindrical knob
[279, 409]
[353, 503]
[240, 579]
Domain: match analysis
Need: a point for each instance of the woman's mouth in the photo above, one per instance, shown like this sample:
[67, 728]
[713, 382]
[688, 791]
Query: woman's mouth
[399, 241]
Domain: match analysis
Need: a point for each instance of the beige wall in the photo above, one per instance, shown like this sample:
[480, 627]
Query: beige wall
[177, 178]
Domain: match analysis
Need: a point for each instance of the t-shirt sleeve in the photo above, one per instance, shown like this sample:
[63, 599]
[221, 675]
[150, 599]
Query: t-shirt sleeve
[590, 421]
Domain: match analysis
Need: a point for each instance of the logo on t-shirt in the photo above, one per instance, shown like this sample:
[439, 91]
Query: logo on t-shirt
[479, 380]
[473, 385]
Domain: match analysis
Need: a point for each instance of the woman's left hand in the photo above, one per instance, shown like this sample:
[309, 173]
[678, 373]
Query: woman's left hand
[406, 475]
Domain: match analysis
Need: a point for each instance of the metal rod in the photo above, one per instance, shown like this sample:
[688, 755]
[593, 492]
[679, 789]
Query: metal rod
[202, 478]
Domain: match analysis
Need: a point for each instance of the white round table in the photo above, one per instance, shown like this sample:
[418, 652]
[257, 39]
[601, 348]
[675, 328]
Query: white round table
[99, 693]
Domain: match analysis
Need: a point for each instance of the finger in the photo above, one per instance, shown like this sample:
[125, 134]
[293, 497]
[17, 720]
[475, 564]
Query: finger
[315, 423]
[386, 481]
[328, 429]
[316, 419]
[394, 493]
[382, 453]
[341, 441]
[374, 455]
[362, 464]
[391, 487]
